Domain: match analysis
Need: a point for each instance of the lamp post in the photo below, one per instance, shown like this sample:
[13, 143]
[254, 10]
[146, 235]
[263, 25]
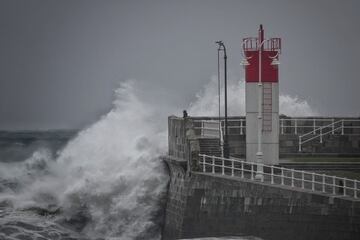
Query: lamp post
[259, 48]
[221, 137]
[221, 47]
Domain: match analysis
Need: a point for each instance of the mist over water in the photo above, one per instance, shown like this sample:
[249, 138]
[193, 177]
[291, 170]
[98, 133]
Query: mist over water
[207, 102]
[109, 176]
[113, 166]
[108, 181]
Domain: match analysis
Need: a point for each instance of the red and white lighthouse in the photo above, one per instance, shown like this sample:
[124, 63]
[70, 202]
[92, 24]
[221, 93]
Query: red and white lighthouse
[262, 98]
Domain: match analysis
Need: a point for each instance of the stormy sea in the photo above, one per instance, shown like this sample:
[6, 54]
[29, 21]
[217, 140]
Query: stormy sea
[103, 182]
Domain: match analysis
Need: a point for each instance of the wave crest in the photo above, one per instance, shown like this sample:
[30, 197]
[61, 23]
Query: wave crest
[206, 103]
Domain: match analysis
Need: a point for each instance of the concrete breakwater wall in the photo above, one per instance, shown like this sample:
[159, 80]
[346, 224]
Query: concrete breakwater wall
[201, 205]
[205, 205]
[346, 143]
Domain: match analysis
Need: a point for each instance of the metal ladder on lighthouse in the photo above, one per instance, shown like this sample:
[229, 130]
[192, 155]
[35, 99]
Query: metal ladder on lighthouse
[267, 107]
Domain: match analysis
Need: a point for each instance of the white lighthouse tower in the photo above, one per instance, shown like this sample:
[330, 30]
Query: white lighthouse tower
[262, 99]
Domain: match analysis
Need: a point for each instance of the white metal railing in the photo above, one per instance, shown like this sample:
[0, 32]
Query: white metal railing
[211, 128]
[311, 181]
[297, 126]
[251, 43]
[332, 128]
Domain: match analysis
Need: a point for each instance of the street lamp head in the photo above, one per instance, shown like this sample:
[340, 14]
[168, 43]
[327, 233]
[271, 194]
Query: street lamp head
[275, 62]
[220, 43]
[244, 62]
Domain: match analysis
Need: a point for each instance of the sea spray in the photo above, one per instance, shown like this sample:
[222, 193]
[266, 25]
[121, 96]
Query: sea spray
[112, 169]
[207, 103]
[109, 176]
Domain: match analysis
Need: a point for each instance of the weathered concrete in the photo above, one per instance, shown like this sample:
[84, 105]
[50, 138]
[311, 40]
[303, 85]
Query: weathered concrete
[334, 145]
[201, 205]
[270, 123]
[176, 202]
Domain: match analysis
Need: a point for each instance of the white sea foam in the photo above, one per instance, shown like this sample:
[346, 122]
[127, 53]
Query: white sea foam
[206, 103]
[111, 169]
[226, 238]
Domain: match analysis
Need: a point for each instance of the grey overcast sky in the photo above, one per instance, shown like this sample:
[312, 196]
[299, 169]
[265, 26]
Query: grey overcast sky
[61, 60]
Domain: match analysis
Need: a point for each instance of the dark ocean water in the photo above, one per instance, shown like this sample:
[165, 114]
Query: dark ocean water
[17, 149]
[25, 157]
[38, 201]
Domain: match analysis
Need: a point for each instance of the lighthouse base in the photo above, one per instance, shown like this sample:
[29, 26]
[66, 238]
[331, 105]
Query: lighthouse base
[270, 151]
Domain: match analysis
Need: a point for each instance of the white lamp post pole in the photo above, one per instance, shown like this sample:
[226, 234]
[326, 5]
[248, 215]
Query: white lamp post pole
[259, 154]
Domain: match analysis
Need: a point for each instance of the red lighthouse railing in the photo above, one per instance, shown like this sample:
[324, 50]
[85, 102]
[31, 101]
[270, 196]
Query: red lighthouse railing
[272, 44]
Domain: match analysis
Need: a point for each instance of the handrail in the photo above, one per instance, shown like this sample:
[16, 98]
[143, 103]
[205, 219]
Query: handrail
[316, 124]
[322, 127]
[204, 127]
[238, 126]
[317, 132]
[321, 134]
[274, 175]
[241, 126]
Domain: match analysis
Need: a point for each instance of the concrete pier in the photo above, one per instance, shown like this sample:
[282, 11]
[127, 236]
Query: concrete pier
[211, 204]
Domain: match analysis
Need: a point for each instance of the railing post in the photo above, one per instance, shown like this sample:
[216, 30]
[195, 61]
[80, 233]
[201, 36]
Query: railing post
[333, 126]
[302, 180]
[241, 127]
[295, 126]
[355, 188]
[204, 159]
[292, 177]
[220, 132]
[282, 176]
[202, 128]
[313, 181]
[321, 139]
[282, 126]
[300, 143]
[223, 166]
[323, 183]
[272, 174]
[314, 124]
[334, 185]
[344, 186]
[213, 164]
[242, 169]
[232, 167]
[252, 171]
[342, 127]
